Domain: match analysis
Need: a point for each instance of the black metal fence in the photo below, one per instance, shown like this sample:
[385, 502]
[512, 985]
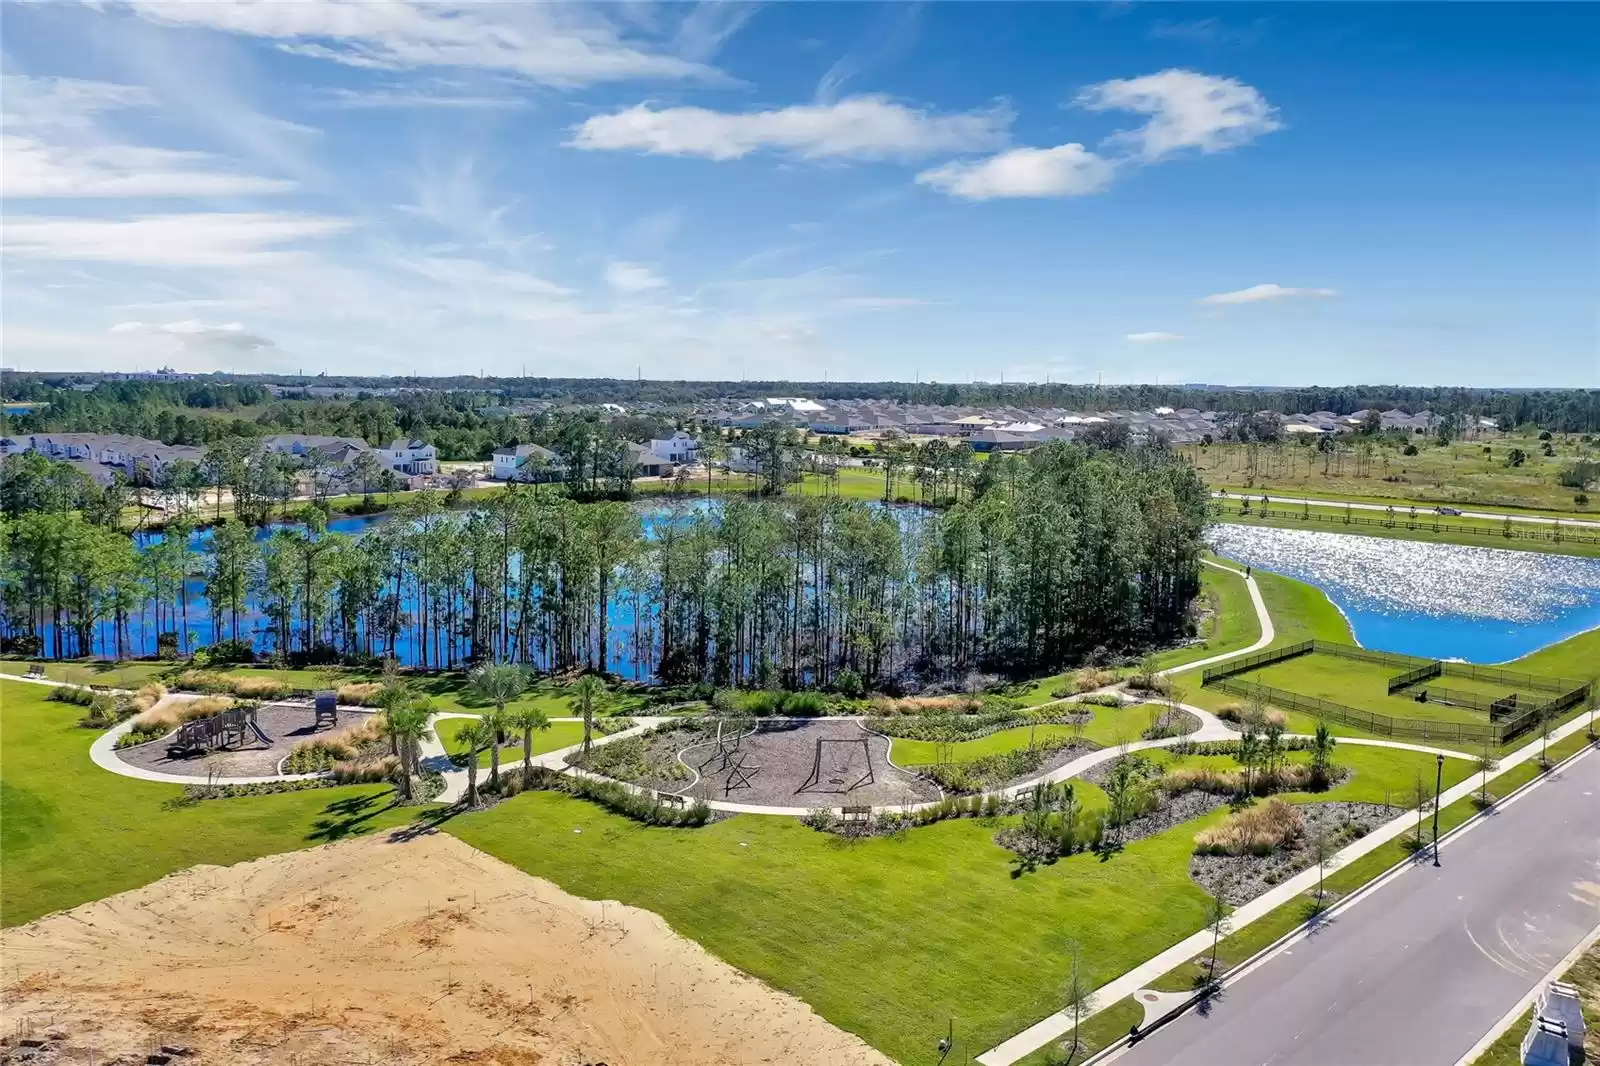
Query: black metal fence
[1507, 716]
[1372, 721]
[1425, 672]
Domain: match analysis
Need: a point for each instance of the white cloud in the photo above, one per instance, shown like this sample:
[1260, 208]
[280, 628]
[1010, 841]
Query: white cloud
[54, 148]
[372, 99]
[191, 240]
[228, 336]
[861, 127]
[1066, 170]
[1186, 109]
[881, 303]
[1154, 336]
[633, 277]
[1259, 293]
[556, 44]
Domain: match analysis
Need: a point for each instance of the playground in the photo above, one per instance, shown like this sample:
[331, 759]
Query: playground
[241, 742]
[798, 763]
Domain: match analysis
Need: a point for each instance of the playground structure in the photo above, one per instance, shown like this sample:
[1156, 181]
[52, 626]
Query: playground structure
[839, 773]
[228, 729]
[731, 761]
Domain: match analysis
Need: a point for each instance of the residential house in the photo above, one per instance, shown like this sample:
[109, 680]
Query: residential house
[410, 457]
[680, 448]
[526, 462]
[840, 423]
[998, 440]
[647, 463]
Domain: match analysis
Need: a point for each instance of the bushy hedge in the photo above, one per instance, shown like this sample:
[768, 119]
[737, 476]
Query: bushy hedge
[77, 695]
[642, 806]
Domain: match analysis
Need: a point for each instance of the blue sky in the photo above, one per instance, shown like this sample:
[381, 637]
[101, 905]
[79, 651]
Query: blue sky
[1247, 194]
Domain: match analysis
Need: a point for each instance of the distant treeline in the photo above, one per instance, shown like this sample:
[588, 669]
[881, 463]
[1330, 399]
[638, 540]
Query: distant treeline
[440, 400]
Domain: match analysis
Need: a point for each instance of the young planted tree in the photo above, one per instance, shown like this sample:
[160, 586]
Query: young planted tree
[1077, 999]
[1217, 912]
[1422, 798]
[478, 735]
[587, 694]
[1486, 764]
[408, 724]
[498, 684]
[528, 719]
[1322, 745]
[1249, 755]
[1324, 847]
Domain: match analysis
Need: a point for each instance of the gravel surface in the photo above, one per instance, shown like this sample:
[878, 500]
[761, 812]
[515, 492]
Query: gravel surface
[285, 724]
[1245, 877]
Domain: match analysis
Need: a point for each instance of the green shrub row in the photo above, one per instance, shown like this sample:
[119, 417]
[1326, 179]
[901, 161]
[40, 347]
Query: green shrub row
[990, 771]
[135, 737]
[643, 806]
[76, 695]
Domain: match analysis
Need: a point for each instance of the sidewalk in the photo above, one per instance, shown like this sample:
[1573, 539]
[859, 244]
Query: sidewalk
[1059, 1024]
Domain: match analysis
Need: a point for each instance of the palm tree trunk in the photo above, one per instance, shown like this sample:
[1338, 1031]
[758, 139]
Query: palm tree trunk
[527, 757]
[472, 776]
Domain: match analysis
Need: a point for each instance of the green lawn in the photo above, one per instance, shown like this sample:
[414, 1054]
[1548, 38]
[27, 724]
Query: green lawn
[92, 671]
[72, 832]
[1493, 537]
[1362, 685]
[886, 937]
[559, 735]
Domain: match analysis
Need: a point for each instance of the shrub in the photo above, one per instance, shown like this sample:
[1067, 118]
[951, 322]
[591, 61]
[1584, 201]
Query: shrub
[347, 745]
[1246, 715]
[848, 684]
[805, 704]
[258, 688]
[103, 712]
[630, 759]
[1409, 449]
[203, 681]
[618, 724]
[1102, 699]
[360, 771]
[1255, 830]
[1093, 677]
[989, 771]
[78, 695]
[224, 651]
[147, 697]
[884, 706]
[360, 693]
[642, 806]
[135, 737]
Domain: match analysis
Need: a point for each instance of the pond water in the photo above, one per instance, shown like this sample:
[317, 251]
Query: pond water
[1440, 601]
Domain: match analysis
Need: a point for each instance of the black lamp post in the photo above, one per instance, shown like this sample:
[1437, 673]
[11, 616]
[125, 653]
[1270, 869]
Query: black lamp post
[1438, 787]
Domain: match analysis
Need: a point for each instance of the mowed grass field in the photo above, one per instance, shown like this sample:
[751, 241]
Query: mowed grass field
[559, 735]
[1363, 685]
[1111, 726]
[71, 832]
[1460, 473]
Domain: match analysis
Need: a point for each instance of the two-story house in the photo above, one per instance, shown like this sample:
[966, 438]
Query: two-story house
[410, 457]
[680, 448]
[526, 462]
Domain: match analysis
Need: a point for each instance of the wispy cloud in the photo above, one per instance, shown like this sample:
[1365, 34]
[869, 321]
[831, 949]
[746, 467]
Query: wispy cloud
[421, 98]
[881, 303]
[564, 45]
[633, 278]
[1154, 336]
[54, 147]
[1260, 293]
[861, 127]
[230, 336]
[200, 239]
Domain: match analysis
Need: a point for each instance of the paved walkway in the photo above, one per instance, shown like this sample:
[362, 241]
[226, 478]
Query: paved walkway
[1059, 1024]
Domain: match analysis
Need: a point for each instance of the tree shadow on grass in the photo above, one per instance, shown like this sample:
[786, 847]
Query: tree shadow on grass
[348, 817]
[427, 822]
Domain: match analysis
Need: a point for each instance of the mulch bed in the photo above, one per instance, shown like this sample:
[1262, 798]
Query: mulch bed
[285, 724]
[1244, 877]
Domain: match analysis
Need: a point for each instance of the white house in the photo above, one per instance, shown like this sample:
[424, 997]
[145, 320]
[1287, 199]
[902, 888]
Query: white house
[410, 457]
[679, 448]
[526, 462]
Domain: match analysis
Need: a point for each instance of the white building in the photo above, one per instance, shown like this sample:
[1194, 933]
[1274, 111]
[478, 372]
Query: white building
[679, 448]
[410, 457]
[526, 462]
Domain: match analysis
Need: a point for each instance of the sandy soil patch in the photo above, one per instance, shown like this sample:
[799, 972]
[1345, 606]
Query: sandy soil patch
[373, 951]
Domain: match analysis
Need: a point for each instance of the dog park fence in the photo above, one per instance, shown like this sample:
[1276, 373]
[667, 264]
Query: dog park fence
[1508, 716]
[1508, 530]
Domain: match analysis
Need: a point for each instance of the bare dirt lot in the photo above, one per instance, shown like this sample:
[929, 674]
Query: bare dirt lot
[374, 951]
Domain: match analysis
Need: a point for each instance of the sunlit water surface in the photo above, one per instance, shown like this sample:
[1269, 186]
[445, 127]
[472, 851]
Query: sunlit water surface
[1442, 601]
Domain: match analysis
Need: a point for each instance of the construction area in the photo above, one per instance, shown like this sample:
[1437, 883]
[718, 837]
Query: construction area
[390, 950]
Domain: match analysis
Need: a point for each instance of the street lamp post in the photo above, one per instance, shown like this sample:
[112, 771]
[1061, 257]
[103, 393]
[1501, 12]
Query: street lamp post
[1438, 787]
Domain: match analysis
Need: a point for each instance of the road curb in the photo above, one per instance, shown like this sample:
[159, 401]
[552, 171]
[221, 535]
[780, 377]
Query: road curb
[1137, 1034]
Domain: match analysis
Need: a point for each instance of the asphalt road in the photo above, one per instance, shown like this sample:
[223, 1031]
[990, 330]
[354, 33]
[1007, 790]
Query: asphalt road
[1418, 971]
[1402, 511]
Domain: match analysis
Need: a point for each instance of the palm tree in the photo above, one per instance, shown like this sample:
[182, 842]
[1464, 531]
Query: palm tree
[528, 718]
[588, 691]
[477, 735]
[499, 683]
[408, 728]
